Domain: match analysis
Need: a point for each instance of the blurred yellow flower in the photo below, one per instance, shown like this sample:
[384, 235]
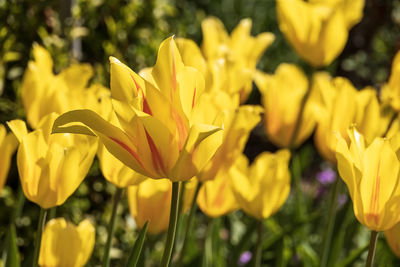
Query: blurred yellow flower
[66, 245]
[216, 197]
[151, 201]
[318, 29]
[238, 125]
[227, 62]
[160, 135]
[51, 167]
[341, 105]
[390, 93]
[262, 188]
[282, 97]
[393, 239]
[372, 177]
[8, 144]
[44, 92]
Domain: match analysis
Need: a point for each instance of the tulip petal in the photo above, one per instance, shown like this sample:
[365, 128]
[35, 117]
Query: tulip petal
[200, 147]
[115, 140]
[18, 127]
[169, 63]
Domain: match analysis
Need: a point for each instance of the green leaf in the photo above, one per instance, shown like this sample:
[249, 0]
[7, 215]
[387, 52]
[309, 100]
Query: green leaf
[12, 259]
[137, 248]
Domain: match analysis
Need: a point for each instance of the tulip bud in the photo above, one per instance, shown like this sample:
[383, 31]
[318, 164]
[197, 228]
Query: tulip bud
[318, 30]
[283, 94]
[66, 245]
[151, 201]
[393, 239]
[263, 187]
[372, 176]
[8, 144]
[51, 167]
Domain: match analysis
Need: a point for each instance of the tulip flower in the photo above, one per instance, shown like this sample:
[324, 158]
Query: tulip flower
[216, 196]
[318, 30]
[66, 245]
[8, 144]
[151, 201]
[44, 92]
[261, 188]
[341, 105]
[393, 239]
[159, 136]
[51, 167]
[371, 174]
[282, 97]
[238, 125]
[390, 93]
[227, 62]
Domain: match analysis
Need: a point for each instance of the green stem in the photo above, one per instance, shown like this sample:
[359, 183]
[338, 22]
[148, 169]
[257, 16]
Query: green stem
[111, 226]
[42, 221]
[372, 247]
[173, 218]
[258, 252]
[331, 222]
[193, 208]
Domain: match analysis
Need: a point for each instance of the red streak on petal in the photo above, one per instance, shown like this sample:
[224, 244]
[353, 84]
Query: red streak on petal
[194, 97]
[155, 154]
[127, 148]
[180, 126]
[146, 107]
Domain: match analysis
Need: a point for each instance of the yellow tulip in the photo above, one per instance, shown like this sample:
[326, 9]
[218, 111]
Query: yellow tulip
[282, 97]
[8, 144]
[372, 175]
[151, 201]
[44, 92]
[66, 245]
[216, 197]
[51, 167]
[341, 105]
[232, 59]
[390, 93]
[318, 29]
[238, 126]
[393, 239]
[159, 136]
[262, 188]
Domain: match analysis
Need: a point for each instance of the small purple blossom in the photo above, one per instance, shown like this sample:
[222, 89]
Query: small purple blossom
[342, 200]
[245, 257]
[326, 176]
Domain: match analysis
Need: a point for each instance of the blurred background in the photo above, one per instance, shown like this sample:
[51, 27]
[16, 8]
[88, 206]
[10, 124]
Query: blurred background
[92, 30]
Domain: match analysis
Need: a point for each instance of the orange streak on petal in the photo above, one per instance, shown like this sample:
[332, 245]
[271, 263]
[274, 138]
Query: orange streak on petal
[180, 126]
[194, 97]
[146, 107]
[155, 154]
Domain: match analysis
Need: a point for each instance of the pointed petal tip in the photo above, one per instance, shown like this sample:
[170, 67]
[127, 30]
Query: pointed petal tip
[114, 60]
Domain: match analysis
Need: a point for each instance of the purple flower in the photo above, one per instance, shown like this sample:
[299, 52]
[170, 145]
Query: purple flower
[342, 200]
[245, 257]
[326, 176]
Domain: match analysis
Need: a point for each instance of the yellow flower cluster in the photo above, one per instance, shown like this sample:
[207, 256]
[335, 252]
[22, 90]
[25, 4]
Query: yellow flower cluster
[184, 121]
